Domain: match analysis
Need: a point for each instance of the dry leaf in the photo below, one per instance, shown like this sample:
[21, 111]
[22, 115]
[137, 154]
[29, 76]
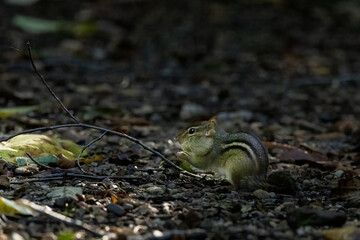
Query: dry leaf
[344, 233]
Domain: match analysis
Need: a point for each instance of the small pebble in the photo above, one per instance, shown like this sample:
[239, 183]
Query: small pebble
[27, 170]
[155, 190]
[197, 195]
[339, 173]
[261, 194]
[171, 185]
[116, 209]
[128, 206]
[16, 236]
[306, 183]
[300, 231]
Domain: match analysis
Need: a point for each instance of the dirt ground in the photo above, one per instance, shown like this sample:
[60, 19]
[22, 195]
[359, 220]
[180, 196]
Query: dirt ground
[285, 70]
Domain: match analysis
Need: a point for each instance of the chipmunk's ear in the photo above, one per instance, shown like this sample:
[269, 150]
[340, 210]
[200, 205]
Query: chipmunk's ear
[210, 132]
[213, 121]
[211, 126]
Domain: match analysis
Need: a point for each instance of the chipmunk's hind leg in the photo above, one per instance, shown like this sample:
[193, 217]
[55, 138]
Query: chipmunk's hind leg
[237, 170]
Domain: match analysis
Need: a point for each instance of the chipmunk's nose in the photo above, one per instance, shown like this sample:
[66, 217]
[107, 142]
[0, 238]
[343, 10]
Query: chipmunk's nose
[177, 144]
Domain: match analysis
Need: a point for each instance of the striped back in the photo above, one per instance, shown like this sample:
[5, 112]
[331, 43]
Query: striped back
[251, 145]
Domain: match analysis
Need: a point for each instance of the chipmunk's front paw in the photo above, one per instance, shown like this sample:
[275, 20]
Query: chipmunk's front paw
[183, 156]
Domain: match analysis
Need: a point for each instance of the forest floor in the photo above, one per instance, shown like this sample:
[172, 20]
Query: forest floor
[288, 71]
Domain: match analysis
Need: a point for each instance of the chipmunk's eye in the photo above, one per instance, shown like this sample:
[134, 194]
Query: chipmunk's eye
[191, 130]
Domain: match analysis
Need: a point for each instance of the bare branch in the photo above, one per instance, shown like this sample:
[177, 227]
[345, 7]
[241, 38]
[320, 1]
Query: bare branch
[59, 217]
[109, 131]
[47, 85]
[79, 124]
[61, 176]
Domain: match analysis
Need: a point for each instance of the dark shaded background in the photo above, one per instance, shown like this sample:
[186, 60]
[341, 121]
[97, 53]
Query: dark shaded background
[286, 70]
[274, 58]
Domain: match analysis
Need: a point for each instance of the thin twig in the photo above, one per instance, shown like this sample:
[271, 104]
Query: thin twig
[38, 163]
[47, 85]
[85, 147]
[57, 216]
[64, 171]
[79, 124]
[36, 180]
[60, 176]
[111, 132]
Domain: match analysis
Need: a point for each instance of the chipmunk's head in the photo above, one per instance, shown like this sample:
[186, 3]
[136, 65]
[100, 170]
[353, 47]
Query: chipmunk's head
[198, 140]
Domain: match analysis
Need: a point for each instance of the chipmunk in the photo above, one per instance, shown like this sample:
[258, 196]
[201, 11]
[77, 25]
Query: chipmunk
[236, 156]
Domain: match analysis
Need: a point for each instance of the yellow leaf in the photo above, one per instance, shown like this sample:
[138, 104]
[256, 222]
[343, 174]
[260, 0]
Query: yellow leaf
[344, 233]
[9, 207]
[44, 149]
[7, 112]
[113, 198]
[91, 159]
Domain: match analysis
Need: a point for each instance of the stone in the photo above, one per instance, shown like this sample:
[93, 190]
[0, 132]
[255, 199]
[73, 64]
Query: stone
[261, 194]
[307, 216]
[345, 233]
[116, 209]
[16, 236]
[28, 170]
[155, 190]
[339, 173]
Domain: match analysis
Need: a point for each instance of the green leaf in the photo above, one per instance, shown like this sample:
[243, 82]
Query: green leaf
[37, 25]
[7, 112]
[44, 149]
[65, 191]
[66, 235]
[41, 25]
[84, 29]
[45, 160]
[36, 145]
[21, 2]
[9, 207]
